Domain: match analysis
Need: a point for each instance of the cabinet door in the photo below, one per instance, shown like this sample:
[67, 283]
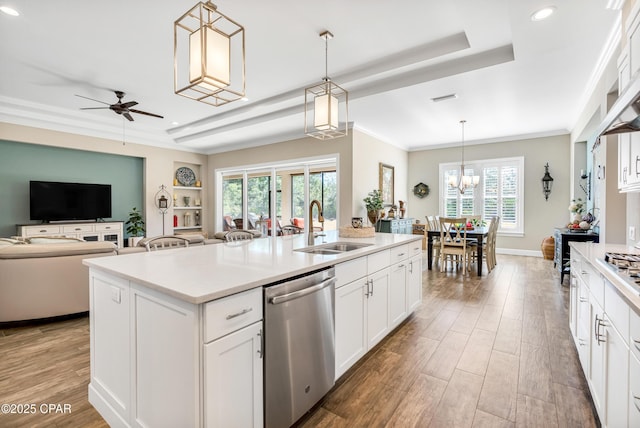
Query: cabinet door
[378, 307]
[634, 392]
[616, 377]
[573, 305]
[398, 293]
[596, 357]
[583, 326]
[351, 328]
[233, 379]
[634, 161]
[624, 159]
[414, 283]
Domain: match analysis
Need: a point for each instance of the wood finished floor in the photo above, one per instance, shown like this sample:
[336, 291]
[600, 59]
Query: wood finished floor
[488, 352]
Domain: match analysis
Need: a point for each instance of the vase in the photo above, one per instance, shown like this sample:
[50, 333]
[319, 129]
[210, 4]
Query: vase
[576, 218]
[374, 216]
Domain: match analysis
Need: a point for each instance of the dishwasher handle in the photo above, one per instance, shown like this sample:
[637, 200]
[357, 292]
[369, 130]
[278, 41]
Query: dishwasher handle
[300, 293]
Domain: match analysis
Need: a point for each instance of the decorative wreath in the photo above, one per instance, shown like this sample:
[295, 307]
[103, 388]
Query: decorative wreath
[421, 190]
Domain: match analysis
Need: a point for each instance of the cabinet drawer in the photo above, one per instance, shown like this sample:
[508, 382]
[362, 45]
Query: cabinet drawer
[378, 261]
[616, 309]
[72, 228]
[348, 272]
[593, 280]
[42, 230]
[634, 336]
[229, 314]
[108, 227]
[400, 252]
[415, 248]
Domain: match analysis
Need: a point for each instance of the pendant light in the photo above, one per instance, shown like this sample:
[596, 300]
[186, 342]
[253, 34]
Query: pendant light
[208, 56]
[463, 182]
[326, 105]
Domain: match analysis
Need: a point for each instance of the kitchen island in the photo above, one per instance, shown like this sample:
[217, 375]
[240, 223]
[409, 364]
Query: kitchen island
[177, 335]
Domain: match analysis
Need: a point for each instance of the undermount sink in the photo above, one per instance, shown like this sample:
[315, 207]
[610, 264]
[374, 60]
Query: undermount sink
[333, 248]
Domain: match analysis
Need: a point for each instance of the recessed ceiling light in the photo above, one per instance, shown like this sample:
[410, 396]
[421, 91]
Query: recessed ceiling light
[9, 11]
[543, 13]
[244, 99]
[444, 98]
[174, 123]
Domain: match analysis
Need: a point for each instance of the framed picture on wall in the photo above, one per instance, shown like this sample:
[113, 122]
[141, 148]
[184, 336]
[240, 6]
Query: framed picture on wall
[386, 183]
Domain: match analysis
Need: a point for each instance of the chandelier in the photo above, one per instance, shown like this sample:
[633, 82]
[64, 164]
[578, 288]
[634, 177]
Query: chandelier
[325, 105]
[208, 56]
[462, 181]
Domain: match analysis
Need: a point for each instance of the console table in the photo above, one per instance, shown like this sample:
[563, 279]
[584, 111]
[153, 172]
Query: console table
[396, 225]
[110, 231]
[562, 236]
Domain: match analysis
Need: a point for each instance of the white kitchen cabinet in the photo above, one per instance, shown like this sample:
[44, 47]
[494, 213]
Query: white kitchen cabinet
[597, 357]
[378, 322]
[583, 337]
[414, 283]
[111, 231]
[398, 293]
[233, 379]
[351, 324]
[615, 376]
[634, 392]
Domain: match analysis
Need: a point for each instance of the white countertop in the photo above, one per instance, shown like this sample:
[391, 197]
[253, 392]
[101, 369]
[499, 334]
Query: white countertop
[595, 254]
[202, 273]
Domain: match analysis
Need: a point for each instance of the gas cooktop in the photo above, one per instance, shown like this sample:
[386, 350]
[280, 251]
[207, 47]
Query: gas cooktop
[627, 266]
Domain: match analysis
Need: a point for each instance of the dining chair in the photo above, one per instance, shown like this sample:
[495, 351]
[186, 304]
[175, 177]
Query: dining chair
[490, 245]
[238, 235]
[433, 224]
[290, 229]
[454, 244]
[166, 242]
[227, 223]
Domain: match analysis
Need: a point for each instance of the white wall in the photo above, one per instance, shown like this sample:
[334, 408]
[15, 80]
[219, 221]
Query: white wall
[540, 216]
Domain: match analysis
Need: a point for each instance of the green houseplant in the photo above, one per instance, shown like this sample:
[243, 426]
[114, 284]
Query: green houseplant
[373, 203]
[135, 227]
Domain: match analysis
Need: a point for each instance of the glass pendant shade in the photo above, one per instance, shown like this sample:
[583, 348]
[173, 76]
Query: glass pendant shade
[325, 112]
[208, 56]
[209, 52]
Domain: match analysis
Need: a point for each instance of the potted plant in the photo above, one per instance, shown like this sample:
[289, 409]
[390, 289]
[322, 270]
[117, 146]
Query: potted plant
[373, 203]
[135, 227]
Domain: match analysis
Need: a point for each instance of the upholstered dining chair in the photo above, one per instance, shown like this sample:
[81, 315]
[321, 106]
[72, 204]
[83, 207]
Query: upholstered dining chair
[454, 244]
[165, 242]
[238, 235]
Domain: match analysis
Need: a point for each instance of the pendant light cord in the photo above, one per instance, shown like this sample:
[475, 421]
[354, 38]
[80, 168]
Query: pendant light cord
[326, 58]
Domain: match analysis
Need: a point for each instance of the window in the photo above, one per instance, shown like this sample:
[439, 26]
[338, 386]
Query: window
[323, 187]
[499, 193]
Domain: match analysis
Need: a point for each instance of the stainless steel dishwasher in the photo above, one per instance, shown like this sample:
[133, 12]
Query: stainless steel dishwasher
[299, 354]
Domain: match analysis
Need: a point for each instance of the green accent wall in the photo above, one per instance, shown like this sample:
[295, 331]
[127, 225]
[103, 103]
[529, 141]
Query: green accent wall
[21, 163]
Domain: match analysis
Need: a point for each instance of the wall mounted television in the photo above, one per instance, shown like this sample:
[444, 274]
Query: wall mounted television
[56, 201]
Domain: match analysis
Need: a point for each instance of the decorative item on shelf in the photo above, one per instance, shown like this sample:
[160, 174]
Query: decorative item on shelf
[356, 222]
[547, 182]
[187, 219]
[463, 182]
[175, 200]
[198, 184]
[197, 218]
[326, 105]
[421, 190]
[373, 204]
[208, 56]
[175, 181]
[185, 176]
[175, 220]
[196, 202]
[187, 200]
[392, 211]
[135, 227]
[163, 203]
[403, 208]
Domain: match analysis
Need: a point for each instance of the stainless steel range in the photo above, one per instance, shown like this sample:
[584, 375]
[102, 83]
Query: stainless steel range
[627, 266]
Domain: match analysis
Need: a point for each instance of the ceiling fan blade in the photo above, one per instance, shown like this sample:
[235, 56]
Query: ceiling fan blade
[128, 116]
[92, 99]
[94, 108]
[129, 104]
[145, 113]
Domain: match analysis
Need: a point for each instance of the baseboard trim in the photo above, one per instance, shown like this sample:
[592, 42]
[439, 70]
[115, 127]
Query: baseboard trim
[518, 252]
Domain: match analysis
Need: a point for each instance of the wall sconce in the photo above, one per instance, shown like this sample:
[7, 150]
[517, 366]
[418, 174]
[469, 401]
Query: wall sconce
[162, 202]
[547, 182]
[208, 56]
[585, 183]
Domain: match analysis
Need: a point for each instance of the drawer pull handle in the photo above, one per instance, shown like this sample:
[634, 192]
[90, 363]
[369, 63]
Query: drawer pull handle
[261, 336]
[242, 312]
[78, 228]
[401, 254]
[584, 300]
[43, 230]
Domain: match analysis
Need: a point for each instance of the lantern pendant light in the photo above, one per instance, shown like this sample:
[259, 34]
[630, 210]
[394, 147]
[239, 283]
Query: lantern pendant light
[463, 182]
[326, 105]
[208, 56]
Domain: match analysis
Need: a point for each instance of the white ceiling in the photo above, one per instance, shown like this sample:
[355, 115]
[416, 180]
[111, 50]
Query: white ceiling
[514, 78]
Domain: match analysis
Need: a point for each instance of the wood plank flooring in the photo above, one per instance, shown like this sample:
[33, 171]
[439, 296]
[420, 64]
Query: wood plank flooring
[480, 352]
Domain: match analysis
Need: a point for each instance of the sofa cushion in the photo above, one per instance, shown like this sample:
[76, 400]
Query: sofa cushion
[58, 239]
[6, 242]
[58, 250]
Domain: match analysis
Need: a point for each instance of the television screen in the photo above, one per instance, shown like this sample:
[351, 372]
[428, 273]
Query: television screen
[53, 201]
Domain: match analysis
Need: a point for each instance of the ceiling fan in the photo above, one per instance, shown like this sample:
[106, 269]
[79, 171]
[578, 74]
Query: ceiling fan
[120, 108]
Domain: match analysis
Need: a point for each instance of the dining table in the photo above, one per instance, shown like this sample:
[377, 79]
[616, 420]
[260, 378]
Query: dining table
[477, 233]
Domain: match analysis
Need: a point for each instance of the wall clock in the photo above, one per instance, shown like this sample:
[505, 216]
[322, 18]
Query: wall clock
[421, 190]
